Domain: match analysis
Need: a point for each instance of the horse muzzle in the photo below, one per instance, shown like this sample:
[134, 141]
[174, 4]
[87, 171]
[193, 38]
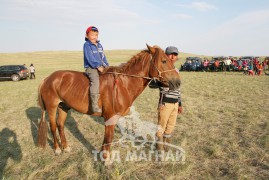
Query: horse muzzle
[173, 83]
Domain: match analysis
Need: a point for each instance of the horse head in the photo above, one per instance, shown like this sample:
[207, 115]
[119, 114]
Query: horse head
[163, 69]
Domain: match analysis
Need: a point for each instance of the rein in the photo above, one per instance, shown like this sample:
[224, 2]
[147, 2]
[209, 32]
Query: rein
[131, 75]
[144, 77]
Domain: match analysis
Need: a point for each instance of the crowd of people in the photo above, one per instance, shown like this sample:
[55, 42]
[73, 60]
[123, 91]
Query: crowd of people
[248, 66]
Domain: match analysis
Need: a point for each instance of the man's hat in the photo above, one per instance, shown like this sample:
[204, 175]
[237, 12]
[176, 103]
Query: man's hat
[171, 50]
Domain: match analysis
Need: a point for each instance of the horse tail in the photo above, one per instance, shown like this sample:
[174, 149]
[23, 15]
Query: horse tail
[40, 100]
[43, 127]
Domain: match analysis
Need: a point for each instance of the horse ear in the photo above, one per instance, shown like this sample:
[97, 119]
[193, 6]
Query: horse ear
[151, 49]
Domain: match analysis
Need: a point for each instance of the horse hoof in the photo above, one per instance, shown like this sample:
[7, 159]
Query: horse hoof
[67, 149]
[58, 151]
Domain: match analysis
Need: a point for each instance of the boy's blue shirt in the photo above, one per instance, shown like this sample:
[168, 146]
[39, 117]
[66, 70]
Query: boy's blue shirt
[94, 55]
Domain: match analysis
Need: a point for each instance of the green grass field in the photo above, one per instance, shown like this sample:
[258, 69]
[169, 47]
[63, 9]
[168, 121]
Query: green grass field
[224, 128]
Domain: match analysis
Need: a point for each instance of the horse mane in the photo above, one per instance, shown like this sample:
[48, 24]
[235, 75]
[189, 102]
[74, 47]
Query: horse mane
[126, 67]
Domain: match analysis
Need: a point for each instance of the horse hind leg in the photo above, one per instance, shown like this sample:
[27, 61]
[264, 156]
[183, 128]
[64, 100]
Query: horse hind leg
[52, 117]
[62, 114]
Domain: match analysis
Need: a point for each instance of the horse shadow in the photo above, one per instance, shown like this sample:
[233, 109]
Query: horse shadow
[9, 148]
[33, 114]
[72, 126]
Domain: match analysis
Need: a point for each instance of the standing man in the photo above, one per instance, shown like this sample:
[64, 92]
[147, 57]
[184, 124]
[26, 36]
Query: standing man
[169, 106]
[227, 63]
[32, 71]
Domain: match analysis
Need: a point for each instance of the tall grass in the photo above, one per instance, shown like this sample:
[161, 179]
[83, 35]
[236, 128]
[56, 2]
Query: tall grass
[224, 128]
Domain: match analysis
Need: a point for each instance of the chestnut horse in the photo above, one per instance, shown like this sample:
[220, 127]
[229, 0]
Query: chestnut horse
[119, 87]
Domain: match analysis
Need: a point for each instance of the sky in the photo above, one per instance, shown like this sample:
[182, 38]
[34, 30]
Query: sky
[207, 27]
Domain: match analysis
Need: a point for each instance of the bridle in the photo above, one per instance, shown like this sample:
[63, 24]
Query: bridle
[160, 77]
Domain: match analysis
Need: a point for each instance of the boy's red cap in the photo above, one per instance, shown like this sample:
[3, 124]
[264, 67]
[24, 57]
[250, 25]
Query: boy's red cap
[91, 28]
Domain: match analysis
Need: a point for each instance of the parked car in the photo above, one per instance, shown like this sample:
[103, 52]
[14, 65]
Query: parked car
[192, 64]
[221, 66]
[14, 72]
[249, 58]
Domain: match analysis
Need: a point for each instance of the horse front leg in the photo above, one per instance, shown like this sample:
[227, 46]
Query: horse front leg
[109, 133]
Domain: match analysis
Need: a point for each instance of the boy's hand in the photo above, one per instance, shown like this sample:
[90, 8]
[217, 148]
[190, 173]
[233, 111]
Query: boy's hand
[101, 68]
[179, 111]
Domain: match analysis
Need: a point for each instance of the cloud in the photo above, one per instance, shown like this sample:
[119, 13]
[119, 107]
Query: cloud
[66, 11]
[200, 6]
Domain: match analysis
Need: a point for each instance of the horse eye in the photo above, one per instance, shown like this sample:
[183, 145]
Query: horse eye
[164, 61]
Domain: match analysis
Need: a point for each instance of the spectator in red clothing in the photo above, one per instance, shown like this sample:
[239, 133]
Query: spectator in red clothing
[234, 64]
[255, 65]
[216, 65]
[205, 65]
[240, 64]
[259, 67]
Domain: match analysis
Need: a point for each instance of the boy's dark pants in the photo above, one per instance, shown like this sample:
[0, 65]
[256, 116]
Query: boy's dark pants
[94, 80]
[94, 88]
